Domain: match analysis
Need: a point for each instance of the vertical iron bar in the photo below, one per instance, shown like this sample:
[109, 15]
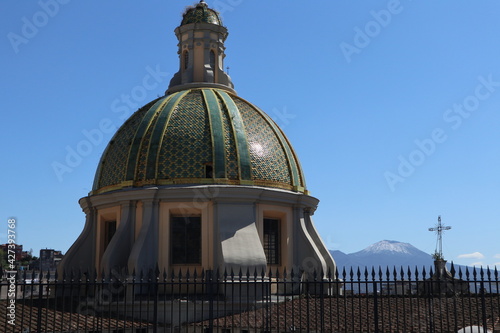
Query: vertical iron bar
[211, 301]
[375, 306]
[483, 304]
[155, 295]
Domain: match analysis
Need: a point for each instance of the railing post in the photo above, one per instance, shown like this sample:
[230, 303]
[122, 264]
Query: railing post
[40, 292]
[483, 306]
[155, 290]
[209, 277]
[375, 304]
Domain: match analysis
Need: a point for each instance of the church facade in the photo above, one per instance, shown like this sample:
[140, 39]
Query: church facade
[199, 179]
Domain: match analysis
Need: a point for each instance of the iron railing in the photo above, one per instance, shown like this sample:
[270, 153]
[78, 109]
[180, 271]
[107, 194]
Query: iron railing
[353, 300]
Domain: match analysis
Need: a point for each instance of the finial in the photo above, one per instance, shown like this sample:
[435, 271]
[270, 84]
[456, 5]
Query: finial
[439, 229]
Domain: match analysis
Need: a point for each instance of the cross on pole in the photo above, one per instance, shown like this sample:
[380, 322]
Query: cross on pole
[439, 229]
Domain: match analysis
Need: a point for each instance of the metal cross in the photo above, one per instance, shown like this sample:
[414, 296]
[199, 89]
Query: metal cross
[439, 230]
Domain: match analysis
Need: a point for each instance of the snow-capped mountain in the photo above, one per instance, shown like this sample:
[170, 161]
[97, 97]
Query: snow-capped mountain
[384, 253]
[389, 247]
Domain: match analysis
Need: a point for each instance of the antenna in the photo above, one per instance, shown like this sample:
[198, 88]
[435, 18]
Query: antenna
[439, 228]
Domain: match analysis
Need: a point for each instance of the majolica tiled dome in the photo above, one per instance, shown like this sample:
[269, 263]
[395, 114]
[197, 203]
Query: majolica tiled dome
[201, 14]
[199, 136]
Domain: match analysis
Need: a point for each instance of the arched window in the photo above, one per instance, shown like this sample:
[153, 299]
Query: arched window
[186, 59]
[212, 59]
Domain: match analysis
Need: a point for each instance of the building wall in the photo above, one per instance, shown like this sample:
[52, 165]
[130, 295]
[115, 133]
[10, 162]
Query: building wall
[232, 230]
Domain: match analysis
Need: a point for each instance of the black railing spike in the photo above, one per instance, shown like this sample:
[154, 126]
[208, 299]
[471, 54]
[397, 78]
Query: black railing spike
[431, 273]
[452, 269]
[344, 274]
[270, 273]
[292, 274]
[496, 274]
[374, 274]
[164, 274]
[255, 273]
[460, 274]
[180, 274]
[231, 274]
[157, 271]
[416, 272]
[395, 273]
[195, 274]
[481, 273]
[380, 274]
[284, 273]
[336, 273]
[188, 274]
[467, 273]
[387, 273]
[402, 273]
[249, 274]
[474, 272]
[408, 273]
[358, 273]
[351, 273]
[424, 273]
[366, 273]
[488, 272]
[240, 273]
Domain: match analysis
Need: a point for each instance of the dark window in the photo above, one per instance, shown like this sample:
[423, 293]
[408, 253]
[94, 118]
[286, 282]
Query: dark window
[209, 171]
[212, 59]
[272, 241]
[109, 232]
[186, 59]
[185, 240]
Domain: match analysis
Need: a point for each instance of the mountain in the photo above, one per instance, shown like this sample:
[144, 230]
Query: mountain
[386, 253]
[393, 254]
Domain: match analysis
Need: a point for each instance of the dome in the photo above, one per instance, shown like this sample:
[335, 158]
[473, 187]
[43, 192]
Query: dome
[199, 136]
[201, 14]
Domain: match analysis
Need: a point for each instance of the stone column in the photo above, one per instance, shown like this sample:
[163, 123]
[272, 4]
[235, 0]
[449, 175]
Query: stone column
[144, 254]
[120, 246]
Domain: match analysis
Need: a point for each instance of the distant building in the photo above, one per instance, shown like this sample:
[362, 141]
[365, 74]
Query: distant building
[48, 261]
[442, 282]
[20, 254]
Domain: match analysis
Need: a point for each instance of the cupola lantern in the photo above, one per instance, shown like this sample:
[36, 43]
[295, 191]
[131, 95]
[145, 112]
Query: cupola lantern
[201, 38]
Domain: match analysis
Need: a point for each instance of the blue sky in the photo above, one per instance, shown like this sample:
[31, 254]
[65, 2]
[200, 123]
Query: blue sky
[392, 106]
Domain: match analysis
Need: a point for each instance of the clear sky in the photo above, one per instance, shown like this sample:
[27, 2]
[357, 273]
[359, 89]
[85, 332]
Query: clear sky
[392, 106]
